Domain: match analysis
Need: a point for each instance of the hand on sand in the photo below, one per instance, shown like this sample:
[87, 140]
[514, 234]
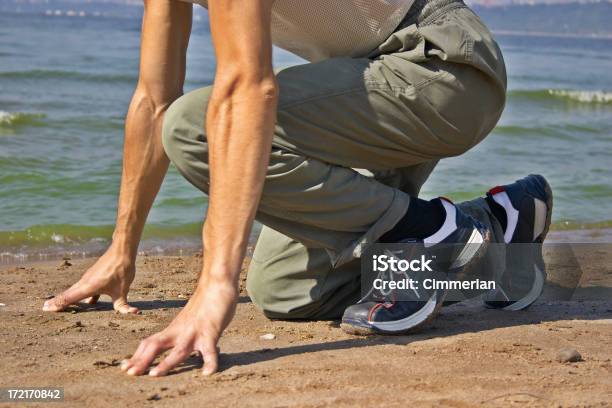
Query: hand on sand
[111, 275]
[197, 327]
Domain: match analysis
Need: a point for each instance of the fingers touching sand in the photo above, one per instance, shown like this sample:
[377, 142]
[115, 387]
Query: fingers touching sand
[76, 294]
[153, 346]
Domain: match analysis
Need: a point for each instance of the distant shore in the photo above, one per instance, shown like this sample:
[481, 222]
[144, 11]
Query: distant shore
[605, 36]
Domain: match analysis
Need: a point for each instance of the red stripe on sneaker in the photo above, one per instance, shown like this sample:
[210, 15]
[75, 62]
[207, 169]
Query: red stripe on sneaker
[496, 190]
[373, 310]
[378, 306]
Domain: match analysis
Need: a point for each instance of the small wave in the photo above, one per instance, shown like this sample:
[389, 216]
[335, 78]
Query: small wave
[75, 235]
[10, 120]
[515, 130]
[583, 96]
[70, 75]
[567, 95]
[557, 132]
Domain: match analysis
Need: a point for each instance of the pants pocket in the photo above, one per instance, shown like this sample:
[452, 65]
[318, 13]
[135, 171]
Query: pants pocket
[460, 36]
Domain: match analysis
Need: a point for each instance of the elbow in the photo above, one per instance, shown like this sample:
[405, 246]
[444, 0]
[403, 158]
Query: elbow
[270, 89]
[154, 102]
[236, 85]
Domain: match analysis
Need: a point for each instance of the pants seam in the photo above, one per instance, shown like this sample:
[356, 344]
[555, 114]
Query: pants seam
[319, 97]
[414, 88]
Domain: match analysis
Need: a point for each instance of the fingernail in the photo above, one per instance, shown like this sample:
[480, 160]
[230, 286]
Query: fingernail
[124, 365]
[153, 373]
[132, 371]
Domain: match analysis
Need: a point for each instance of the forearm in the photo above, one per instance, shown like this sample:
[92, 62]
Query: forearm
[240, 129]
[144, 167]
[165, 35]
[239, 126]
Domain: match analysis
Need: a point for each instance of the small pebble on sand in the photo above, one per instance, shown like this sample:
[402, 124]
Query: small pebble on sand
[568, 355]
[267, 336]
[65, 264]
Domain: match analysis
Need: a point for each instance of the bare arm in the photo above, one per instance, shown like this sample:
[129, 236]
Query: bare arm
[165, 34]
[240, 122]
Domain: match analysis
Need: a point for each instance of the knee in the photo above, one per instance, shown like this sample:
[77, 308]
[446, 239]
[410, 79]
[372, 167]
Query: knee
[275, 283]
[298, 297]
[265, 294]
[288, 281]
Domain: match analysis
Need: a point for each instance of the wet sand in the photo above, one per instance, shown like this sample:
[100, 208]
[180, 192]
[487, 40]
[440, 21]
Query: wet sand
[469, 356]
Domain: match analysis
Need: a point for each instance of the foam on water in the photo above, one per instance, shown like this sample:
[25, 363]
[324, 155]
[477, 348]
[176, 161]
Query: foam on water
[582, 96]
[598, 97]
[8, 119]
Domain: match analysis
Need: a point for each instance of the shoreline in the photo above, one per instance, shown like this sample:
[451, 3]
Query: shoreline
[187, 246]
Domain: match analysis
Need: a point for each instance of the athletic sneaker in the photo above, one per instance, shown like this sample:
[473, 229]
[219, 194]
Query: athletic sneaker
[469, 239]
[528, 206]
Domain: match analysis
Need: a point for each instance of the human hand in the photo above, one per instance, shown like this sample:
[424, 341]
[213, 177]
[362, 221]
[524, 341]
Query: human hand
[197, 327]
[111, 275]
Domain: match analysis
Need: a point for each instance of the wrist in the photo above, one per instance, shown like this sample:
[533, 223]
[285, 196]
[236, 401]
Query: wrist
[220, 277]
[123, 247]
[222, 260]
[221, 288]
[126, 235]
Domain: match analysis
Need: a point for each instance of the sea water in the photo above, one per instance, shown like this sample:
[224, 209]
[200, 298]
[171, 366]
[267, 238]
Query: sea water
[66, 82]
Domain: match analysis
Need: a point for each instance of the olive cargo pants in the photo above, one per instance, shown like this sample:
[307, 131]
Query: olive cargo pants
[355, 138]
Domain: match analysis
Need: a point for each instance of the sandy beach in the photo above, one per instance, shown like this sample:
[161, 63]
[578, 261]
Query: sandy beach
[469, 356]
[67, 72]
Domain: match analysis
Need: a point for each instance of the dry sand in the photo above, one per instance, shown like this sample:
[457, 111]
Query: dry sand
[470, 356]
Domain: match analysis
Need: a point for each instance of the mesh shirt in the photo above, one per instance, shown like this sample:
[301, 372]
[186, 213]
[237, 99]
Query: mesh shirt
[321, 29]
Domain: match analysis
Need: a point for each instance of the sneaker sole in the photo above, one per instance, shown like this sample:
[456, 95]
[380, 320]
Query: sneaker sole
[414, 322]
[533, 295]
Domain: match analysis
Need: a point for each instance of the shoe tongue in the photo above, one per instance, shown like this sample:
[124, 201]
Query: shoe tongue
[512, 215]
[449, 226]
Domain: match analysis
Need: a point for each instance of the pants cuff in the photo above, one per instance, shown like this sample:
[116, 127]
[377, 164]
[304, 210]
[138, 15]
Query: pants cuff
[397, 209]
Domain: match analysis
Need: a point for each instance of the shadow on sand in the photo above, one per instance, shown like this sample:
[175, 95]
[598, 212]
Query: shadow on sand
[454, 320]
